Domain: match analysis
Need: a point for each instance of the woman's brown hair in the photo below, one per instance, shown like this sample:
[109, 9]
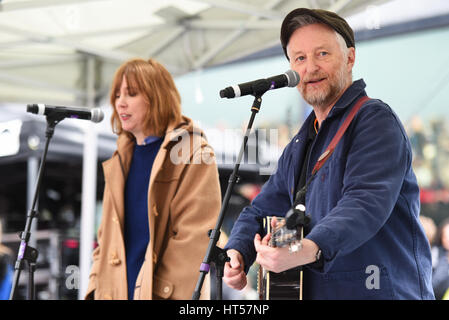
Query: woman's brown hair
[157, 86]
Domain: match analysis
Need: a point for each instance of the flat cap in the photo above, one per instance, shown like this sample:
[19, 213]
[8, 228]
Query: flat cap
[329, 18]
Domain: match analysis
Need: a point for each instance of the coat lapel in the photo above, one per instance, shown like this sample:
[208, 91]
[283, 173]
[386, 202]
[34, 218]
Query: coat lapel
[115, 172]
[114, 178]
[171, 135]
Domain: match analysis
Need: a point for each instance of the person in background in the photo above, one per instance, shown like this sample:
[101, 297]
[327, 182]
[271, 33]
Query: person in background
[430, 228]
[364, 239]
[6, 269]
[161, 195]
[440, 277]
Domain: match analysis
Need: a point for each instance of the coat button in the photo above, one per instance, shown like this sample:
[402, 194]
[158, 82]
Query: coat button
[115, 262]
[154, 257]
[166, 289]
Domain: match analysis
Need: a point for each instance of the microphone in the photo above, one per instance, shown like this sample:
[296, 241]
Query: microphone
[94, 115]
[258, 87]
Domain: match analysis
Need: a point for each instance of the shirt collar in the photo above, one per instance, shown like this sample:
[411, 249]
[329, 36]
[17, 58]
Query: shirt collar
[150, 139]
[355, 89]
[312, 130]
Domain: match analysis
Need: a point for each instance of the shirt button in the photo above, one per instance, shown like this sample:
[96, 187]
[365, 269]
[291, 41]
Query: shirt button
[115, 219]
[297, 140]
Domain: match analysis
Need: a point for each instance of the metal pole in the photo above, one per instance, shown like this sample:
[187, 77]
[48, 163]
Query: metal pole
[32, 170]
[89, 187]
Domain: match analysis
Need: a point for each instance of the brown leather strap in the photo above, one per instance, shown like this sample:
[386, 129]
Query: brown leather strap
[331, 147]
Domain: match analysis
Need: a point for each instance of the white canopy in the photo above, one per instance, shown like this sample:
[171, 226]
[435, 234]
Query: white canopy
[50, 50]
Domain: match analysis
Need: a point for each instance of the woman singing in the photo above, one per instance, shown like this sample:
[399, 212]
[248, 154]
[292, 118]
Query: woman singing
[161, 195]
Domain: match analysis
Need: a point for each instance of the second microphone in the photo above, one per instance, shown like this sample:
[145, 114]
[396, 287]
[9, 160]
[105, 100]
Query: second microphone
[258, 87]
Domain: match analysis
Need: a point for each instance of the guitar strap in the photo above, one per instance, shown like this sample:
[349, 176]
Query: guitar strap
[331, 147]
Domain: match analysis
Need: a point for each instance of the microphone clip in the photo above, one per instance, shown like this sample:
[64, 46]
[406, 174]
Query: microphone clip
[261, 86]
[53, 118]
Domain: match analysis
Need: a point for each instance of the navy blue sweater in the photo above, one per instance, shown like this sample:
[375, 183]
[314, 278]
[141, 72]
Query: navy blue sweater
[137, 232]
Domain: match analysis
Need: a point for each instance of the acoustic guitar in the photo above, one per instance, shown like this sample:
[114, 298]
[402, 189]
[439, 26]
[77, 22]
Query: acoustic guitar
[286, 285]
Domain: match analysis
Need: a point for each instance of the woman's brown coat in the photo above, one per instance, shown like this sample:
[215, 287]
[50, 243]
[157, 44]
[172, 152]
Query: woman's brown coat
[184, 200]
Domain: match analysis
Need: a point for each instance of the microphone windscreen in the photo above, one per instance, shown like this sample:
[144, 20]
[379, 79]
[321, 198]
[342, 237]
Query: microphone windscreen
[97, 115]
[293, 78]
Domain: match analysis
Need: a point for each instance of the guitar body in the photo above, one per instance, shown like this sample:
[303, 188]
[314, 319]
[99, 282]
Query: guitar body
[286, 285]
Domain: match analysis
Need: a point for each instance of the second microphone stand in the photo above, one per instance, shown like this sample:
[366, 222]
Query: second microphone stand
[27, 253]
[215, 254]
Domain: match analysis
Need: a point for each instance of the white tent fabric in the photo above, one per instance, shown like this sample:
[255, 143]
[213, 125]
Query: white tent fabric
[46, 45]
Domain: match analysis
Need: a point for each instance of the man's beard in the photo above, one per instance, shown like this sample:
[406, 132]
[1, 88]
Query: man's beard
[331, 89]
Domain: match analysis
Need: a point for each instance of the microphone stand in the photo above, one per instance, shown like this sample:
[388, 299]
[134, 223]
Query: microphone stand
[27, 253]
[214, 254]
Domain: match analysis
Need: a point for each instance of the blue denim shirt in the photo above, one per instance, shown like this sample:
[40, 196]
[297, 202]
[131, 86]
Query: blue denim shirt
[363, 204]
